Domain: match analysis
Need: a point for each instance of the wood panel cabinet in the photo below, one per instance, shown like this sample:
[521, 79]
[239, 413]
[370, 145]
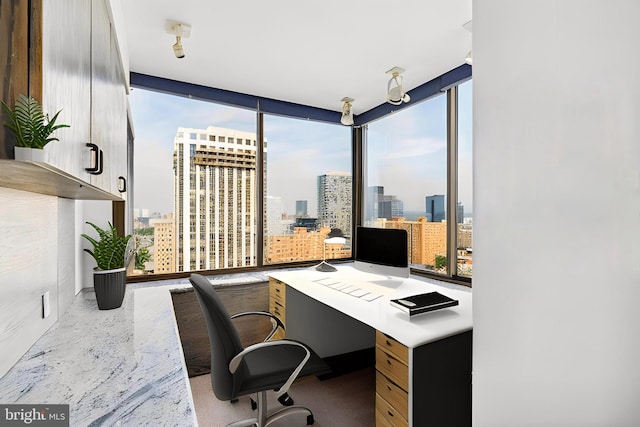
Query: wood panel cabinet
[278, 303]
[75, 67]
[392, 381]
[426, 385]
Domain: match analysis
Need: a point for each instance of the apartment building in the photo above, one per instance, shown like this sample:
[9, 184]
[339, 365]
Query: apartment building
[215, 200]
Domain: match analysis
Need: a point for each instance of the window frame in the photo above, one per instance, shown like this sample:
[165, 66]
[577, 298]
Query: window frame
[448, 83]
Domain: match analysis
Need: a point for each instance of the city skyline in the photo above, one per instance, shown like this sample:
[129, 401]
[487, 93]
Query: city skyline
[157, 117]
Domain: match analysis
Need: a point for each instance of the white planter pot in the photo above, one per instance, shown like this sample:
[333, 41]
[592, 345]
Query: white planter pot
[27, 154]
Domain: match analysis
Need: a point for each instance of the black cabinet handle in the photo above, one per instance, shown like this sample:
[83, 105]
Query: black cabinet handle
[96, 153]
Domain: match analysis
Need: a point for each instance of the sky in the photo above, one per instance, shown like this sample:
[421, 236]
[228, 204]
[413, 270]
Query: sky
[406, 151]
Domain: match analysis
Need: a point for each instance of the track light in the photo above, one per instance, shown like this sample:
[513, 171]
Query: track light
[180, 31]
[469, 27]
[395, 93]
[347, 114]
[178, 49]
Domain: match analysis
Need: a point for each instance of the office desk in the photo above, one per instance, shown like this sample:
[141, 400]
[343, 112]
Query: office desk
[423, 363]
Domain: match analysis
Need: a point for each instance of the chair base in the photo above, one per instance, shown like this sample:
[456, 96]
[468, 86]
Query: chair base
[265, 418]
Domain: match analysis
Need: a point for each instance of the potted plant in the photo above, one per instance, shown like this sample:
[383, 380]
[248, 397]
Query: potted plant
[112, 254]
[31, 127]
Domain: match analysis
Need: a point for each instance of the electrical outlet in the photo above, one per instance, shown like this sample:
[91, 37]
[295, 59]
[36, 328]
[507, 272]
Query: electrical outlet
[46, 308]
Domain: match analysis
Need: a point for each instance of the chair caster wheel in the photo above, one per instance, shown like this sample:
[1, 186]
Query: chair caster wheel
[310, 420]
[254, 405]
[285, 400]
[233, 400]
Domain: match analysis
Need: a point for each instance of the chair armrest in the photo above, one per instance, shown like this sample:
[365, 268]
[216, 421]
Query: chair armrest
[275, 322]
[235, 362]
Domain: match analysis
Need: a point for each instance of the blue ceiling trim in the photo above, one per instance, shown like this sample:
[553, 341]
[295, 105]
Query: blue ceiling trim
[418, 94]
[191, 90]
[290, 109]
[283, 108]
[236, 99]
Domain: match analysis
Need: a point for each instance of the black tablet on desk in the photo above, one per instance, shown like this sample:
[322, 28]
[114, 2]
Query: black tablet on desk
[422, 303]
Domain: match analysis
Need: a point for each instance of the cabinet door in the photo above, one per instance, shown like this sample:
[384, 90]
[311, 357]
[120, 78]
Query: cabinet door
[108, 102]
[66, 81]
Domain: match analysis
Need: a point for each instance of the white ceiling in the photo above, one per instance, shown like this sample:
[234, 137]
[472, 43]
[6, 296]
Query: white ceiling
[312, 52]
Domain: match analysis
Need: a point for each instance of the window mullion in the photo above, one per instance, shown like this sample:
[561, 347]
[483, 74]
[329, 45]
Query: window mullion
[452, 181]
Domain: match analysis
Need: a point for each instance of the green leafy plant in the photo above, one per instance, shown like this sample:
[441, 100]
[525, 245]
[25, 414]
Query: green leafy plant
[29, 124]
[110, 250]
[142, 256]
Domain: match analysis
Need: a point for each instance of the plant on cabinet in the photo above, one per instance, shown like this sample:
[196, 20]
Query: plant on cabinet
[31, 126]
[112, 254]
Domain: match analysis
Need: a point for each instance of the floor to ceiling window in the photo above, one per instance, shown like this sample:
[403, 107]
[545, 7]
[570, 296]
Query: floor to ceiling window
[199, 166]
[308, 182]
[194, 186]
[406, 181]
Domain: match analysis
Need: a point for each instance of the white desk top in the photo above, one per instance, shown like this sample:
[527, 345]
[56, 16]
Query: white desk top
[379, 314]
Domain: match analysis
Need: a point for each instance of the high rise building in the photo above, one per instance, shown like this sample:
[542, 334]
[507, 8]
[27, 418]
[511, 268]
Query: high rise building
[275, 218]
[390, 207]
[460, 213]
[334, 201]
[163, 246]
[435, 208]
[215, 198]
[371, 209]
[380, 205]
[301, 208]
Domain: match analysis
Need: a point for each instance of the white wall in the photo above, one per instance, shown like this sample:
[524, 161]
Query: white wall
[100, 213]
[556, 282]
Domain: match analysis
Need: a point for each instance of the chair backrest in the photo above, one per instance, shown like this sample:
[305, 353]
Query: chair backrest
[223, 336]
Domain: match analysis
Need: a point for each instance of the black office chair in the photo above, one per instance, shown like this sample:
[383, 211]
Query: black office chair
[238, 371]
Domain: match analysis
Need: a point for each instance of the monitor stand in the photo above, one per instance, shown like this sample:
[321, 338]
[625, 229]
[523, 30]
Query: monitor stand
[381, 269]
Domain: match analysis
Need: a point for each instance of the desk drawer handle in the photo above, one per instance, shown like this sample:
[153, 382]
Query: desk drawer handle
[389, 362]
[277, 290]
[390, 414]
[388, 343]
[388, 388]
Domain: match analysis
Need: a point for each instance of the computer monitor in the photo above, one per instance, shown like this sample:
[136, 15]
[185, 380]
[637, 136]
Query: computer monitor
[382, 250]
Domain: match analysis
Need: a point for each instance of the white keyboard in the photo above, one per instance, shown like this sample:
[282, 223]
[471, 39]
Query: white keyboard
[348, 289]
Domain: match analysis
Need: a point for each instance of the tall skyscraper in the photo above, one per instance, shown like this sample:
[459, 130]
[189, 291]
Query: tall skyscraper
[371, 209]
[380, 205]
[215, 198]
[390, 207]
[460, 213]
[435, 208]
[334, 201]
[301, 208]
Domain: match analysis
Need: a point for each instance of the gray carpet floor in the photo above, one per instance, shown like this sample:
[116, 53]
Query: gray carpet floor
[344, 401]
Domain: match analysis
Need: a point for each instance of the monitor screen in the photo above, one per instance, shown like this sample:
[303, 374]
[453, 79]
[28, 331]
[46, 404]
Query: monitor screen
[382, 246]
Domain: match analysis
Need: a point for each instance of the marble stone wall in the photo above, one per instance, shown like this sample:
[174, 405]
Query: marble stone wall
[29, 267]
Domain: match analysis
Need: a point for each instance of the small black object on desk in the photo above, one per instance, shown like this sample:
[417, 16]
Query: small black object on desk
[423, 303]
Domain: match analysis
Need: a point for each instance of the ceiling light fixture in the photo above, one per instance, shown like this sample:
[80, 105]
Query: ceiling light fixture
[180, 31]
[347, 113]
[395, 93]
